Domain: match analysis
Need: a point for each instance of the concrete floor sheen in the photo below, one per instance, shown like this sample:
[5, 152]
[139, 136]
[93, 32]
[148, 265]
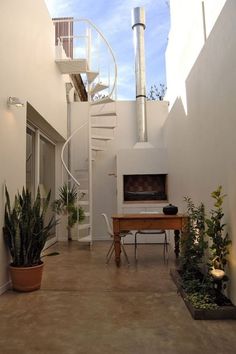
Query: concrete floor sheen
[87, 307]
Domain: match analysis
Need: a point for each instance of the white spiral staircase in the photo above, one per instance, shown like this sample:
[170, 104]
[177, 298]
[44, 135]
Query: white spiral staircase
[81, 49]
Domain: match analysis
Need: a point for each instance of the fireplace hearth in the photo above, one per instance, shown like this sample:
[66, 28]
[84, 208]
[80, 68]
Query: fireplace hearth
[145, 187]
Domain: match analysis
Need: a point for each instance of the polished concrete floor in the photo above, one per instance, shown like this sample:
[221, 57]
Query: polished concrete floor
[88, 307]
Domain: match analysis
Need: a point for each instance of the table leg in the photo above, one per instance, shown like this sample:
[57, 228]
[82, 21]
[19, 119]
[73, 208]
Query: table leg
[177, 239]
[117, 248]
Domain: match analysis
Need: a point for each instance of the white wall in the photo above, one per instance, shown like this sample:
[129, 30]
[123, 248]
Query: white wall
[125, 137]
[28, 71]
[191, 21]
[201, 142]
[104, 166]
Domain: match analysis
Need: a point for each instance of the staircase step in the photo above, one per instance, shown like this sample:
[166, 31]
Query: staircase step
[72, 66]
[91, 76]
[83, 191]
[87, 238]
[105, 114]
[102, 101]
[103, 126]
[83, 202]
[97, 88]
[84, 226]
[97, 148]
[101, 137]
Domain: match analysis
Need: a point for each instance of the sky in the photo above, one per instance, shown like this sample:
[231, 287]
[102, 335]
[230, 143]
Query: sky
[113, 18]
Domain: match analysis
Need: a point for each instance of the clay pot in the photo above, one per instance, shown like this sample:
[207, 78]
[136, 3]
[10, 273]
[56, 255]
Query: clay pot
[170, 210]
[26, 278]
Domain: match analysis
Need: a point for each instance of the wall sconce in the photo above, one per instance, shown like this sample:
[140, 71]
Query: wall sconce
[14, 101]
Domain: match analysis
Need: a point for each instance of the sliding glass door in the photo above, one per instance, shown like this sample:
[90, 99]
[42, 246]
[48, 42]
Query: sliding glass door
[40, 166]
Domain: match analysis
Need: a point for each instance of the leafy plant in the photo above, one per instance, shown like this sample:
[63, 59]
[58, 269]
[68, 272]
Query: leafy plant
[204, 290]
[24, 228]
[156, 93]
[215, 230]
[66, 204]
[193, 242]
[201, 301]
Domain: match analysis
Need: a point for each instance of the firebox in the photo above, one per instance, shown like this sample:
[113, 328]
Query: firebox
[145, 187]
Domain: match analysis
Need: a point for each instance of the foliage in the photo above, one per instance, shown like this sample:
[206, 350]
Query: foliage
[203, 290]
[201, 301]
[156, 93]
[215, 230]
[24, 228]
[67, 205]
[193, 242]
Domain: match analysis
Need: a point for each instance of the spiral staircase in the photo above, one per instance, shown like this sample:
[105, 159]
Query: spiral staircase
[82, 52]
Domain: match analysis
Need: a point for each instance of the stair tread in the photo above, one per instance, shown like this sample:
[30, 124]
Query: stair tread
[87, 238]
[102, 101]
[72, 66]
[97, 148]
[102, 137]
[97, 88]
[91, 76]
[83, 226]
[103, 126]
[84, 202]
[104, 114]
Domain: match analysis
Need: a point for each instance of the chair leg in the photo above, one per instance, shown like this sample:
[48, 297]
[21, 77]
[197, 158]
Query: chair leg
[110, 252]
[123, 249]
[110, 255]
[110, 248]
[135, 246]
[165, 251]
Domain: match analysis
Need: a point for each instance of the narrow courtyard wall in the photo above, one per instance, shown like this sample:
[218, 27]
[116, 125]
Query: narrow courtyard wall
[27, 71]
[200, 133]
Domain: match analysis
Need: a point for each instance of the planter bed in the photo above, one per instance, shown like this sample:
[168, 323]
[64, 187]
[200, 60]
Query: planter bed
[221, 313]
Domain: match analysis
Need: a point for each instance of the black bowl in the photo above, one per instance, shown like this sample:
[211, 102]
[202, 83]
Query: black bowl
[170, 210]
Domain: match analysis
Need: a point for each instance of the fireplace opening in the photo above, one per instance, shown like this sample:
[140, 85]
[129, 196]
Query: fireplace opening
[145, 187]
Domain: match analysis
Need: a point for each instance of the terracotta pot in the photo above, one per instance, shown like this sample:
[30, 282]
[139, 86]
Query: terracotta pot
[26, 278]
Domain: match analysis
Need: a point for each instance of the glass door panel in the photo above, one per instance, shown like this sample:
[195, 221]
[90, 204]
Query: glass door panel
[47, 173]
[30, 161]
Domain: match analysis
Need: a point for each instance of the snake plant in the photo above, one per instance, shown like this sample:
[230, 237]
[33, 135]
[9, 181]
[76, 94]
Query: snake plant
[25, 231]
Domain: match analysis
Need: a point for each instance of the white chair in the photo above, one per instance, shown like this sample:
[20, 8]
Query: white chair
[111, 234]
[152, 232]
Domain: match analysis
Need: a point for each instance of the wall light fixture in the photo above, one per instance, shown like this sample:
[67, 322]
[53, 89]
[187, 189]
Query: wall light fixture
[14, 101]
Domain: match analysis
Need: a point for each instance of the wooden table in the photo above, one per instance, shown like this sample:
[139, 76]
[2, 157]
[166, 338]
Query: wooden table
[144, 221]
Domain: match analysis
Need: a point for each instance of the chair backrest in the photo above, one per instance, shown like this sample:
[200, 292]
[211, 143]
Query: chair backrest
[108, 225]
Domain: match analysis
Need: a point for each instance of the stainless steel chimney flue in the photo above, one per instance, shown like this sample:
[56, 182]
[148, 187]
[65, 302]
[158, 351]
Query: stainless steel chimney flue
[138, 26]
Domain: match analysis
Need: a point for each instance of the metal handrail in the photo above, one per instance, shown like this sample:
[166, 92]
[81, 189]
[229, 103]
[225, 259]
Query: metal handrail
[106, 42]
[62, 153]
[112, 90]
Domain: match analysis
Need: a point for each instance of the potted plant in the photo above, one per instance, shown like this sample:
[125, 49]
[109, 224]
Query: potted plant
[25, 234]
[67, 204]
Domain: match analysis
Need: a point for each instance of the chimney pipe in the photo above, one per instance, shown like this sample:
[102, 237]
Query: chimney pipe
[138, 27]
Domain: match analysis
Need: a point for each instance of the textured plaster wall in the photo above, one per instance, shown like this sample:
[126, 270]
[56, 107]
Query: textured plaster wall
[201, 139]
[125, 137]
[28, 71]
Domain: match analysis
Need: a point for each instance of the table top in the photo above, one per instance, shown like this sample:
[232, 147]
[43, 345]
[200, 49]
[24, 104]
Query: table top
[148, 216]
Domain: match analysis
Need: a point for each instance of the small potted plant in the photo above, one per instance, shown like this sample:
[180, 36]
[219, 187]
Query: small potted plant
[25, 234]
[67, 204]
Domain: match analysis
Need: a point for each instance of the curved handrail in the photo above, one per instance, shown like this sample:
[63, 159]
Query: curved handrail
[109, 95]
[108, 45]
[62, 153]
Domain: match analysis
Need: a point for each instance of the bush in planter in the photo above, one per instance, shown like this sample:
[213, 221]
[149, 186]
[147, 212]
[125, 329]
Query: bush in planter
[25, 232]
[202, 289]
[219, 240]
[66, 204]
[193, 243]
